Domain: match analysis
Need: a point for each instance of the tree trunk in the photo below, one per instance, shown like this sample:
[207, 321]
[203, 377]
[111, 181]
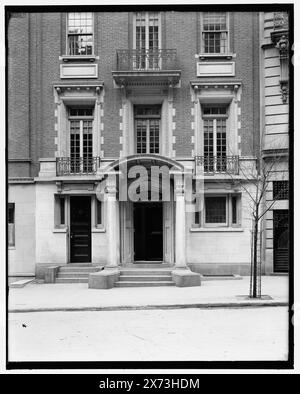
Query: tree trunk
[254, 294]
[255, 236]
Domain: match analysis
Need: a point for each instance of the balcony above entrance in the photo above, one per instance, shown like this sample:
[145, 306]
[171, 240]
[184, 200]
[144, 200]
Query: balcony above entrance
[141, 67]
[77, 165]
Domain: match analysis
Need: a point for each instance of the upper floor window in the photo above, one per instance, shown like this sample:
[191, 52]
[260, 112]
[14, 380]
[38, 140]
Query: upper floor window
[80, 33]
[147, 38]
[81, 139]
[215, 138]
[147, 128]
[215, 32]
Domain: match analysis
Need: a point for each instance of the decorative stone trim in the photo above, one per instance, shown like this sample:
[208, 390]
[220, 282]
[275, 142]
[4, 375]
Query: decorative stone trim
[281, 40]
[77, 92]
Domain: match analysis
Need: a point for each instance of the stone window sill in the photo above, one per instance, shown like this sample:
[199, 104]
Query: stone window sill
[98, 229]
[11, 248]
[60, 230]
[67, 58]
[216, 229]
[204, 56]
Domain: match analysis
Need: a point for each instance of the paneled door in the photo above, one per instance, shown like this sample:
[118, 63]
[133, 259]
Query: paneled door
[281, 240]
[80, 229]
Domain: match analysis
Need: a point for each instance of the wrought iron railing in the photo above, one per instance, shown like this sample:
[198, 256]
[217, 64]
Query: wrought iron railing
[217, 164]
[146, 60]
[281, 21]
[75, 166]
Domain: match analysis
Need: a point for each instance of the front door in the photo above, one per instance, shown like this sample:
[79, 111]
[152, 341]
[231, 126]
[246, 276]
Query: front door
[148, 232]
[281, 240]
[80, 229]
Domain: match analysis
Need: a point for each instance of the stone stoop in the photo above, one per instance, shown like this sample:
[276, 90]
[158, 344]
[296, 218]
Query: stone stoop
[146, 277]
[75, 273]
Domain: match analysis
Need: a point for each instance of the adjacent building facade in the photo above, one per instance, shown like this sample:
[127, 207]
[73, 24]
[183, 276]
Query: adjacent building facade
[275, 140]
[100, 100]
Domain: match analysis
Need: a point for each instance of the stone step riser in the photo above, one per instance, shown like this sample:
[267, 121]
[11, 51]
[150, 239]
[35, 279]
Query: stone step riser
[71, 280]
[78, 265]
[72, 275]
[146, 266]
[145, 273]
[150, 278]
[78, 270]
[144, 284]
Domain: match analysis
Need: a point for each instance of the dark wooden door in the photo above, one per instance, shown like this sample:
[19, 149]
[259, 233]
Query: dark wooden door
[80, 231]
[281, 240]
[148, 232]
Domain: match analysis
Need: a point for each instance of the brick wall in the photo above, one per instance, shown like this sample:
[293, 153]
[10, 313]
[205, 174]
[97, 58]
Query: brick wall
[36, 42]
[247, 51]
[18, 89]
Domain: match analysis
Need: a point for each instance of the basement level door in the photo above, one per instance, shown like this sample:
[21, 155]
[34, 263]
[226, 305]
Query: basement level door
[80, 229]
[281, 240]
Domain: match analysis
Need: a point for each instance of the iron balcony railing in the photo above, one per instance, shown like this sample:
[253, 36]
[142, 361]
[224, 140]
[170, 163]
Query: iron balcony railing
[281, 21]
[75, 166]
[146, 60]
[217, 164]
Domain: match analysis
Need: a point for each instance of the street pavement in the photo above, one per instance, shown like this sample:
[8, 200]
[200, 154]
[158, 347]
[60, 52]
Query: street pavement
[214, 293]
[150, 335]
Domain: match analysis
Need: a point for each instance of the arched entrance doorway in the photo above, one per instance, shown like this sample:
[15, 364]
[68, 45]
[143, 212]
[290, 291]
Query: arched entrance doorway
[145, 186]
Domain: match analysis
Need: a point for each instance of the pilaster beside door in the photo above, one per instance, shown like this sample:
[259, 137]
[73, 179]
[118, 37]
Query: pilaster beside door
[127, 232]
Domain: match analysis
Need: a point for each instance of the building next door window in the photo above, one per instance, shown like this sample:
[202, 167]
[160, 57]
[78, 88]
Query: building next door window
[147, 129]
[81, 140]
[147, 40]
[214, 127]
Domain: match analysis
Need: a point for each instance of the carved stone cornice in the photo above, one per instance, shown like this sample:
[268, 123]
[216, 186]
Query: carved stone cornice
[64, 90]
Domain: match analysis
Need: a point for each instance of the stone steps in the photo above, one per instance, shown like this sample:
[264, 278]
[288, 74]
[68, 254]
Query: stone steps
[146, 277]
[137, 272]
[75, 273]
[72, 280]
[144, 284]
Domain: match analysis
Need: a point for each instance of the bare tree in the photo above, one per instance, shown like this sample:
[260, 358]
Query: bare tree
[256, 183]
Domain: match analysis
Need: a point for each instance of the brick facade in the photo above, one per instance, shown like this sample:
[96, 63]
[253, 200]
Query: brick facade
[34, 69]
[38, 132]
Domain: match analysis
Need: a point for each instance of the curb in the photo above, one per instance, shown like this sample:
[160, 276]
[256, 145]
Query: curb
[235, 305]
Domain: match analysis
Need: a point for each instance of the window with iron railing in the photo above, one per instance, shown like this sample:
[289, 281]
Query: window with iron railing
[147, 37]
[80, 33]
[214, 147]
[81, 139]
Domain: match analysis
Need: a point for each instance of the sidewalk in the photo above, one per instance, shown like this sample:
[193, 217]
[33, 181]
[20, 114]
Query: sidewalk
[211, 294]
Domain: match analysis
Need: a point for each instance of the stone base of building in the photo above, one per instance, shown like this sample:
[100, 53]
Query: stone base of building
[104, 279]
[242, 269]
[186, 278]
